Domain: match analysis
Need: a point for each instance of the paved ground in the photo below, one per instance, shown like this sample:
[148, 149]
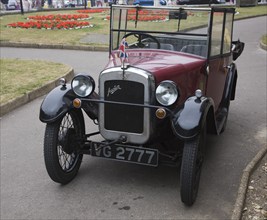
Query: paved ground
[103, 188]
[255, 206]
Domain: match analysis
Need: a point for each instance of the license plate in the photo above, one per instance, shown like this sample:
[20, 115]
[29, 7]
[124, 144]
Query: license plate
[145, 156]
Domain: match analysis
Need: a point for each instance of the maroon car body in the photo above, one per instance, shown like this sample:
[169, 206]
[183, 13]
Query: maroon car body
[164, 65]
[169, 80]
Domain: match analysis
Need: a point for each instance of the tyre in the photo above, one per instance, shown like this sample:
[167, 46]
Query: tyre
[61, 142]
[193, 155]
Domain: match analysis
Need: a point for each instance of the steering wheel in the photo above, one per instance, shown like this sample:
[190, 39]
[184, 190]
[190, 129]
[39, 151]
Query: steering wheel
[141, 37]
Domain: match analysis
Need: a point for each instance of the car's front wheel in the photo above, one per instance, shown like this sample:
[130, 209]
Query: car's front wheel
[61, 141]
[192, 160]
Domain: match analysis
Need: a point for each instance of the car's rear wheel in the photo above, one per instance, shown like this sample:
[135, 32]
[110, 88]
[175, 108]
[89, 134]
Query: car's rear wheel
[193, 155]
[61, 141]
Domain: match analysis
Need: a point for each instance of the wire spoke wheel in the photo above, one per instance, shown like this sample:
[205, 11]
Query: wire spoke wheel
[193, 157]
[61, 142]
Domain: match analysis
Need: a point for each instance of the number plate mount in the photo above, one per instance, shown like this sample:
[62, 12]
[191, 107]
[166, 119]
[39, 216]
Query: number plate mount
[126, 153]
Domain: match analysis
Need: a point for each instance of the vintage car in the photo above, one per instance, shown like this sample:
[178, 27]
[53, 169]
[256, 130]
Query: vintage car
[169, 80]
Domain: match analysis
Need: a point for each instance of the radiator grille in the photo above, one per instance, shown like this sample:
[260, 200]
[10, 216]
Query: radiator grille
[121, 117]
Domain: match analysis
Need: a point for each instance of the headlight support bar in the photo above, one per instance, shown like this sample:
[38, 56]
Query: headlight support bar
[131, 104]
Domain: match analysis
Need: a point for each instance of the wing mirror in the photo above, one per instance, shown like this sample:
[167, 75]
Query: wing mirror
[237, 48]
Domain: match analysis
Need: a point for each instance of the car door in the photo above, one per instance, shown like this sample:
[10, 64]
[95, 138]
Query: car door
[220, 56]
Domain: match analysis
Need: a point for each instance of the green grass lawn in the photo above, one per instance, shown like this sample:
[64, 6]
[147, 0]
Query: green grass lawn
[43, 36]
[21, 76]
[73, 37]
[264, 39]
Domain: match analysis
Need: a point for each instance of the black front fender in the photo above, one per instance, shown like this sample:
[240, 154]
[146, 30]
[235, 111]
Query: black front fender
[188, 121]
[56, 103]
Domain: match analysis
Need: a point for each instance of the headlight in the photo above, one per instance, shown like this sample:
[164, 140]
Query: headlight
[83, 85]
[166, 93]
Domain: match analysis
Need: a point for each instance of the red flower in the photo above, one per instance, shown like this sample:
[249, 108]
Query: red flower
[99, 10]
[53, 21]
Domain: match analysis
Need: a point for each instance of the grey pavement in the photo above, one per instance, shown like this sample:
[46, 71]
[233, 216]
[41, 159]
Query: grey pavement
[81, 61]
[110, 190]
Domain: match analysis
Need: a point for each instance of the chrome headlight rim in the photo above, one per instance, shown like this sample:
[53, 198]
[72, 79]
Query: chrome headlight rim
[167, 93]
[83, 85]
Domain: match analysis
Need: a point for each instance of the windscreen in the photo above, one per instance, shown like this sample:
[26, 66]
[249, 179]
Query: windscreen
[158, 22]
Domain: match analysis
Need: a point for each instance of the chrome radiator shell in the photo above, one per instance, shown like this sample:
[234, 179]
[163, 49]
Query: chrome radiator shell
[133, 76]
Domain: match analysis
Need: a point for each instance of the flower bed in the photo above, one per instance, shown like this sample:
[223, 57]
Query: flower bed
[51, 24]
[147, 18]
[59, 17]
[152, 18]
[146, 15]
[92, 10]
[148, 12]
[65, 22]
